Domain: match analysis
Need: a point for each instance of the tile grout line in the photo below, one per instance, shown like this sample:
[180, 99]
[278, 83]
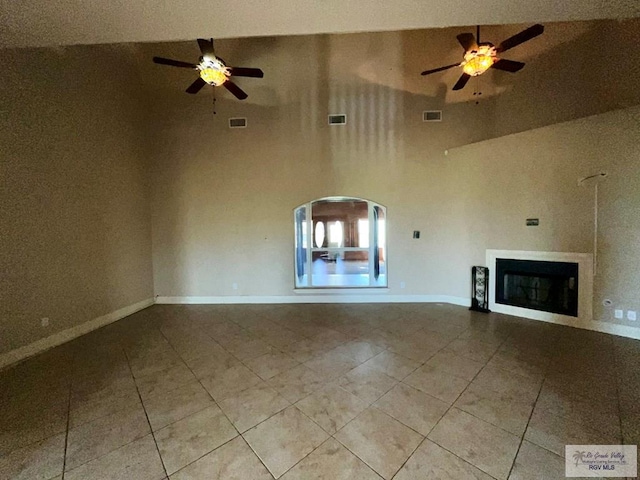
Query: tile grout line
[535, 403]
[166, 474]
[239, 434]
[461, 393]
[615, 361]
[66, 436]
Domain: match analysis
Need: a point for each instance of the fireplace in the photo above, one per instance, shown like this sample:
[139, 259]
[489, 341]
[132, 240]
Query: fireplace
[538, 285]
[549, 286]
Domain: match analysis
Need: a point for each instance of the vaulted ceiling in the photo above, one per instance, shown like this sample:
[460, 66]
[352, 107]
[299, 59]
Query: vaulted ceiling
[40, 23]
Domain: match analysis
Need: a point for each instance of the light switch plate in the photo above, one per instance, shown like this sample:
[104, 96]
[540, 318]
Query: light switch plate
[618, 314]
[631, 315]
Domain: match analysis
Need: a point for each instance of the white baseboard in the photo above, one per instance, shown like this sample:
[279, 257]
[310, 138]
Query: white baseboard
[604, 327]
[64, 336]
[317, 297]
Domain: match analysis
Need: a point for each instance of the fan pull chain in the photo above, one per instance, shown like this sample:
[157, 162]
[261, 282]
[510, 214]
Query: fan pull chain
[476, 90]
[214, 100]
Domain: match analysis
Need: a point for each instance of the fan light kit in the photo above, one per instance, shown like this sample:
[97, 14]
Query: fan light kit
[476, 62]
[213, 71]
[480, 57]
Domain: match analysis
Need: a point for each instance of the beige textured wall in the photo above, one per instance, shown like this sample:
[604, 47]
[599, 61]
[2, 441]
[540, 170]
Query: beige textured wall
[535, 174]
[74, 199]
[223, 199]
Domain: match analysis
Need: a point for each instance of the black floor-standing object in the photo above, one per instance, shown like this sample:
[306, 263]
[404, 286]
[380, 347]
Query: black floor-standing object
[480, 289]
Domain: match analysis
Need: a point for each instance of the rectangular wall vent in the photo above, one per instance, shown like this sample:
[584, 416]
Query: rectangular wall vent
[338, 119]
[432, 116]
[238, 122]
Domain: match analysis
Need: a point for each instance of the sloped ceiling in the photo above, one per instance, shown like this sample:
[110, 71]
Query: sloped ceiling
[39, 23]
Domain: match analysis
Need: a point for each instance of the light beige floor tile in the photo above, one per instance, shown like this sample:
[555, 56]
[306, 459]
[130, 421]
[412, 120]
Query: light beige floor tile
[41, 460]
[101, 404]
[296, 383]
[412, 407]
[597, 415]
[536, 463]
[232, 380]
[271, 364]
[249, 407]
[473, 349]
[485, 446]
[392, 364]
[99, 437]
[275, 335]
[508, 383]
[432, 462]
[380, 441]
[331, 338]
[211, 364]
[169, 407]
[553, 433]
[232, 461]
[504, 411]
[332, 407]
[330, 365]
[248, 349]
[367, 383]
[192, 437]
[331, 461]
[284, 439]
[437, 383]
[414, 350]
[516, 362]
[164, 381]
[359, 350]
[304, 350]
[21, 428]
[137, 460]
[456, 365]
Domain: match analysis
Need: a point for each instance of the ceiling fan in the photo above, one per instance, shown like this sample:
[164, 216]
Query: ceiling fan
[213, 70]
[479, 57]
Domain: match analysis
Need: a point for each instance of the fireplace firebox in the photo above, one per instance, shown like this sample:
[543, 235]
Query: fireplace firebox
[538, 285]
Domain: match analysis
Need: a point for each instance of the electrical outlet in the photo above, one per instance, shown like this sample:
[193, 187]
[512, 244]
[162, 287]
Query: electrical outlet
[631, 315]
[402, 284]
[235, 286]
[618, 314]
[44, 322]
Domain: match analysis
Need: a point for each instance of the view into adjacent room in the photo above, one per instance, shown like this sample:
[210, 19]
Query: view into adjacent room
[338, 247]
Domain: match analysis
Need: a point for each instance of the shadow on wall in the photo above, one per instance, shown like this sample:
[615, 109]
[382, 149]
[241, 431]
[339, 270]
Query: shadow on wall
[224, 197]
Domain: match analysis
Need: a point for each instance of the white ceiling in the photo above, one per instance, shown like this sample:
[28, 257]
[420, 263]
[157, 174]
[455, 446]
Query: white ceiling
[38, 23]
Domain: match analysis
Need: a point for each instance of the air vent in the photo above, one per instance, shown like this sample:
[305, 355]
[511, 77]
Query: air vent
[432, 116]
[338, 119]
[239, 122]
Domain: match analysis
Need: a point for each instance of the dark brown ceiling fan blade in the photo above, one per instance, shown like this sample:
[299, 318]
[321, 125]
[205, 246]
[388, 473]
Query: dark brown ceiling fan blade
[508, 65]
[468, 41]
[173, 63]
[246, 72]
[206, 47]
[196, 86]
[235, 89]
[521, 37]
[462, 81]
[429, 72]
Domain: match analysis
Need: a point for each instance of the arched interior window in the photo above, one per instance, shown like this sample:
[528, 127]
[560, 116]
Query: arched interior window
[340, 242]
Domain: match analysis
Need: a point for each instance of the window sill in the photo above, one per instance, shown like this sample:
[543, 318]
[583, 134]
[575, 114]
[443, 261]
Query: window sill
[342, 291]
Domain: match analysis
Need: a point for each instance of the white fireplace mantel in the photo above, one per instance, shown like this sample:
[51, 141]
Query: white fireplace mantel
[585, 286]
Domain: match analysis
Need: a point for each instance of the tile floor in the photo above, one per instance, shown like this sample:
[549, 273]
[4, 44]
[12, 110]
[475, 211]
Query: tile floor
[399, 391]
